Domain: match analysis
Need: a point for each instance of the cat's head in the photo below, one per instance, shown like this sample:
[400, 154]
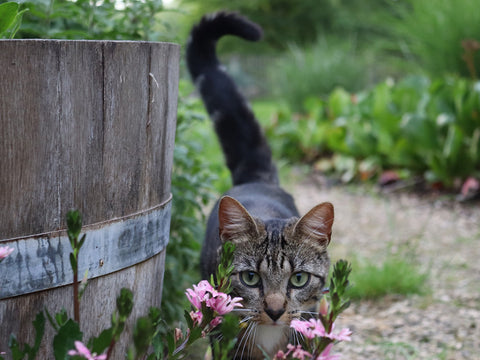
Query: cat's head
[280, 265]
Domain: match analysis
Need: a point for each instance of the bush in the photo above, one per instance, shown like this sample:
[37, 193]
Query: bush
[318, 69]
[431, 33]
[431, 127]
[104, 20]
[394, 276]
[192, 190]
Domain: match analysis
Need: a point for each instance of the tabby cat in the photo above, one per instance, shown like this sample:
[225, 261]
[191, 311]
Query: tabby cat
[280, 259]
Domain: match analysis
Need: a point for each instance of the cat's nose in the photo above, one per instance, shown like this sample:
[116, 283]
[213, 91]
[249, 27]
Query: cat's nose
[274, 314]
[274, 305]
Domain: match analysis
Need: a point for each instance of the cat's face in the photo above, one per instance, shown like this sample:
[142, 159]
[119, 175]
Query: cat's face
[280, 269]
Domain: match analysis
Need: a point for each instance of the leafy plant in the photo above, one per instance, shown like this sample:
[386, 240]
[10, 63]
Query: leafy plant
[10, 19]
[430, 127]
[316, 70]
[394, 275]
[191, 191]
[430, 33]
[85, 19]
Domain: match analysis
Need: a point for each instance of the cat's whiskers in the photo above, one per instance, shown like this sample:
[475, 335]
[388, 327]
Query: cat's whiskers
[239, 343]
[244, 339]
[246, 319]
[252, 343]
[309, 312]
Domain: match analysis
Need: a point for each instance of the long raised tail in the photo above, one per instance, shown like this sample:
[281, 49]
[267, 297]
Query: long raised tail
[247, 153]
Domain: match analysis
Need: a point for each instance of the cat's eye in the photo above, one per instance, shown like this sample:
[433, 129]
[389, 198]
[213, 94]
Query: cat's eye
[300, 279]
[250, 278]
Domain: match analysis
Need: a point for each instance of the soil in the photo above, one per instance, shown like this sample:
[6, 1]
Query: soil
[443, 235]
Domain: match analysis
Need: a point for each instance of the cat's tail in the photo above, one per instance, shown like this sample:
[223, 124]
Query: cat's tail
[247, 153]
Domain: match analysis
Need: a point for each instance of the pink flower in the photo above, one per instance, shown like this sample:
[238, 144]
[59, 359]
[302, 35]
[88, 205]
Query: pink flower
[280, 355]
[298, 352]
[200, 293]
[215, 322]
[5, 251]
[197, 317]
[343, 335]
[314, 328]
[223, 303]
[84, 352]
[205, 293]
[178, 334]
[310, 329]
[323, 308]
[325, 355]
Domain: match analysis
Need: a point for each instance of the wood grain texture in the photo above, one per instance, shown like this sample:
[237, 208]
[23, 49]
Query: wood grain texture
[87, 125]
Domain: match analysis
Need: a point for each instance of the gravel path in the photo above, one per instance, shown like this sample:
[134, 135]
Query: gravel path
[443, 235]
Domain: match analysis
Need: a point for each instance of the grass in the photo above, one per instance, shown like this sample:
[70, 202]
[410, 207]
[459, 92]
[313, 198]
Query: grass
[317, 70]
[398, 350]
[431, 32]
[394, 276]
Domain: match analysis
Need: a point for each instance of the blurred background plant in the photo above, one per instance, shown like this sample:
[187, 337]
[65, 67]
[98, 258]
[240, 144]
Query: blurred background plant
[353, 89]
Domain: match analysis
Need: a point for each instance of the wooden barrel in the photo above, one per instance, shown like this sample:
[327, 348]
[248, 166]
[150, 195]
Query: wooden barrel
[88, 125]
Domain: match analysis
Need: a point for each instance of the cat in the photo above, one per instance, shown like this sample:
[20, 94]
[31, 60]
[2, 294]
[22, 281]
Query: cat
[280, 259]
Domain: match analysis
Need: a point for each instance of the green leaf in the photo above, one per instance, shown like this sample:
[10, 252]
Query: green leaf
[100, 343]
[155, 315]
[73, 262]
[74, 224]
[52, 321]
[125, 303]
[65, 339]
[8, 13]
[82, 240]
[188, 319]
[39, 326]
[14, 346]
[170, 342]
[61, 317]
[142, 334]
[339, 103]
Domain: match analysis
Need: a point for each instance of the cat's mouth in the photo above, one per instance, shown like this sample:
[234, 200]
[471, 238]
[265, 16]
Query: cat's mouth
[265, 319]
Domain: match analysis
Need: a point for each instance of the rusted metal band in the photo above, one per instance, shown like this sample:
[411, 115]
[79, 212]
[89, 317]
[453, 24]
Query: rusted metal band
[41, 262]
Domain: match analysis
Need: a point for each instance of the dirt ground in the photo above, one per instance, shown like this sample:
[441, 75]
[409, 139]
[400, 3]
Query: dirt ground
[445, 238]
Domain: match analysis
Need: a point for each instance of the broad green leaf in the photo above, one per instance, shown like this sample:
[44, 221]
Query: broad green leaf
[339, 103]
[8, 13]
[65, 339]
[125, 303]
[142, 334]
[39, 326]
[100, 343]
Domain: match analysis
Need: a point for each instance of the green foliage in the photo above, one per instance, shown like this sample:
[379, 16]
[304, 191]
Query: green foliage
[105, 20]
[429, 127]
[65, 338]
[298, 22]
[337, 297]
[29, 351]
[431, 34]
[317, 69]
[225, 269]
[396, 275]
[191, 189]
[10, 19]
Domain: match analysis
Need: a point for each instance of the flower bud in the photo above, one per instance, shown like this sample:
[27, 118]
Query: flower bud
[323, 308]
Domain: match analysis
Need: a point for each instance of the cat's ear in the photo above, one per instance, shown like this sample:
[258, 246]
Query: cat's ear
[316, 225]
[235, 223]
